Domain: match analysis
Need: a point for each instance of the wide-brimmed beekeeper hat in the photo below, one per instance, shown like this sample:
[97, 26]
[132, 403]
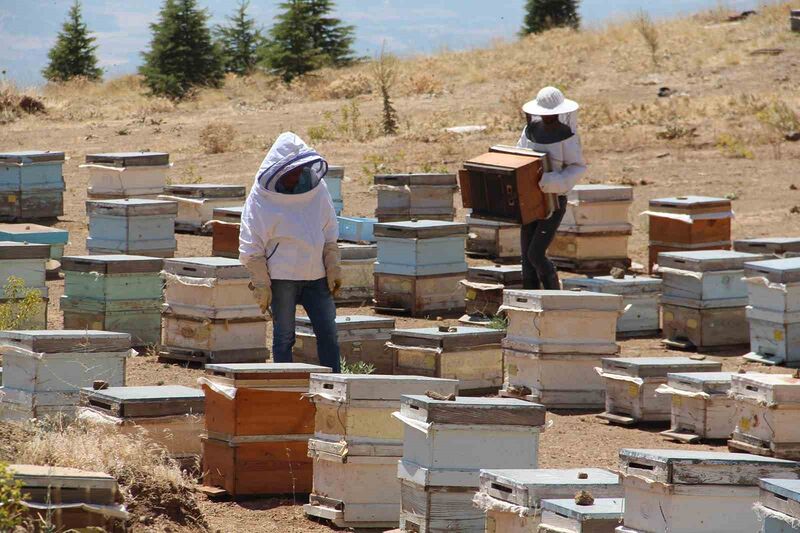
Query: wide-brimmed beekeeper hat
[550, 101]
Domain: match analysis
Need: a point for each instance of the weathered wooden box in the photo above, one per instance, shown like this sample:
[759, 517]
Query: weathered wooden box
[119, 175]
[420, 296]
[494, 239]
[631, 385]
[32, 185]
[777, 246]
[36, 234]
[655, 249]
[333, 181]
[711, 276]
[357, 229]
[583, 248]
[774, 337]
[213, 340]
[685, 325]
[689, 491]
[701, 408]
[132, 226]
[358, 273]
[407, 196]
[361, 339]
[567, 516]
[196, 203]
[778, 506]
[24, 261]
[598, 208]
[471, 355]
[484, 290]
[225, 231]
[420, 248]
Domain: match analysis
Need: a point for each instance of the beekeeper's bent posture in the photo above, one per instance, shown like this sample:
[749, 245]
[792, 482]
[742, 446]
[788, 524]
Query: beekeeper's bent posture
[552, 129]
[287, 242]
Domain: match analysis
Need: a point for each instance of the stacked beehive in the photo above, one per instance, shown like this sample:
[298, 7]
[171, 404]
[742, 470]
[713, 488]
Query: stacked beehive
[493, 239]
[32, 185]
[44, 371]
[126, 174]
[357, 443]
[196, 203]
[687, 223]
[420, 266]
[210, 315]
[361, 339]
[704, 298]
[26, 263]
[132, 226]
[684, 491]
[554, 341]
[358, 273]
[258, 426]
[359, 230]
[773, 312]
[778, 507]
[593, 235]
[484, 290]
[415, 196]
[777, 246]
[36, 234]
[701, 408]
[468, 354]
[640, 295]
[225, 231]
[631, 385]
[593, 515]
[333, 180]
[114, 293]
[445, 446]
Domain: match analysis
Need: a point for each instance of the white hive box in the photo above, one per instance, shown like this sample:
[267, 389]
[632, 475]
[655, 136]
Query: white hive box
[447, 443]
[24, 261]
[356, 445]
[598, 208]
[767, 410]
[701, 407]
[640, 296]
[126, 174]
[494, 239]
[566, 516]
[631, 385]
[358, 272]
[777, 246]
[706, 278]
[407, 196]
[504, 495]
[196, 203]
[684, 491]
[778, 506]
[132, 226]
[484, 290]
[361, 338]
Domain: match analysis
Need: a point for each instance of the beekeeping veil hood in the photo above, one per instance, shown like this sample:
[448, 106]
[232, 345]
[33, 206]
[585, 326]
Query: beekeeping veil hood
[551, 101]
[288, 153]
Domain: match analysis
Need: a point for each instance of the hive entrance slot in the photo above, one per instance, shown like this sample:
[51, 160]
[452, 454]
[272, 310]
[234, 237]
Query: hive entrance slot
[501, 488]
[641, 466]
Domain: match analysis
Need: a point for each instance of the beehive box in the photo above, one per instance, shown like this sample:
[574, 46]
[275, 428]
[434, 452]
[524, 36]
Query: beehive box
[598, 208]
[36, 234]
[420, 296]
[777, 246]
[471, 355]
[24, 261]
[712, 278]
[357, 229]
[132, 226]
[640, 296]
[484, 290]
[767, 407]
[358, 273]
[603, 515]
[579, 248]
[333, 181]
[196, 203]
[655, 249]
[506, 494]
[170, 415]
[493, 239]
[701, 408]
[225, 231]
[361, 339]
[631, 385]
[407, 196]
[778, 506]
[420, 248]
[685, 491]
[689, 328]
[32, 185]
[119, 175]
[794, 20]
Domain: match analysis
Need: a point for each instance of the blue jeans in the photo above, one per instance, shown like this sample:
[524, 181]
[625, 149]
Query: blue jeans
[317, 300]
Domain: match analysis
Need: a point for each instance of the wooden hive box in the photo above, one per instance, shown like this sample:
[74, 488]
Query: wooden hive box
[469, 354]
[118, 175]
[132, 226]
[357, 229]
[196, 203]
[706, 278]
[32, 185]
[631, 385]
[420, 296]
[701, 408]
[589, 254]
[36, 234]
[71, 499]
[774, 285]
[794, 20]
[358, 273]
[484, 290]
[598, 208]
[357, 443]
[684, 491]
[24, 261]
[640, 296]
[170, 415]
[447, 443]
[778, 507]
[258, 425]
[777, 246]
[407, 196]
[420, 248]
[567, 516]
[493, 239]
[524, 490]
[688, 328]
[225, 231]
[333, 181]
[361, 339]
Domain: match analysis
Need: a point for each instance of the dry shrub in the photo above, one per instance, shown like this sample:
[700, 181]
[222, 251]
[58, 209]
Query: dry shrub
[13, 104]
[217, 137]
[347, 86]
[424, 83]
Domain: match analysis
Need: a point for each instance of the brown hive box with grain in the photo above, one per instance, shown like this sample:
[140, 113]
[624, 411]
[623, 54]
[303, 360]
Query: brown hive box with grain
[701, 407]
[225, 231]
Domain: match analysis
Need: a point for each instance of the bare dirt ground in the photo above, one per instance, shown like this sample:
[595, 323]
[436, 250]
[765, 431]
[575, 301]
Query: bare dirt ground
[718, 136]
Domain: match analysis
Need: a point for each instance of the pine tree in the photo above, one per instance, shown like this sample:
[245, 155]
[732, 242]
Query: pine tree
[239, 41]
[330, 35]
[182, 55]
[73, 55]
[541, 15]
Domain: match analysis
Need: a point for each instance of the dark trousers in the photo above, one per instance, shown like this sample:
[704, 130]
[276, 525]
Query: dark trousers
[538, 272]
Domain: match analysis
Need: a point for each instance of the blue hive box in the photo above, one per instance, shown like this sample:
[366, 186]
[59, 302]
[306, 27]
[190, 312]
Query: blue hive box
[333, 180]
[420, 248]
[31, 185]
[132, 226]
[36, 234]
[357, 229]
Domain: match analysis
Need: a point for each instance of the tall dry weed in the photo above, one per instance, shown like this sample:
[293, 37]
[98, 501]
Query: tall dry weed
[217, 137]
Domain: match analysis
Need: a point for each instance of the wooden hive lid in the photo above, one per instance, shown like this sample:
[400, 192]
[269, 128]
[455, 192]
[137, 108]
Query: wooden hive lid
[129, 159]
[526, 487]
[770, 388]
[690, 204]
[503, 161]
[231, 211]
[600, 192]
[708, 382]
[768, 245]
[206, 190]
[131, 207]
[31, 156]
[350, 387]
[112, 264]
[785, 489]
[646, 367]
[33, 232]
[611, 285]
[485, 222]
[691, 467]
[706, 260]
[775, 270]
[335, 171]
[601, 509]
[505, 274]
[145, 401]
[67, 340]
[470, 411]
[543, 300]
[265, 370]
[420, 229]
[23, 250]
[206, 267]
[351, 251]
[448, 337]
[416, 179]
[353, 322]
[36, 476]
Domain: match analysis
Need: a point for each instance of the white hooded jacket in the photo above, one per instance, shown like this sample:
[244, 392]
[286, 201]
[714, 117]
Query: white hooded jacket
[288, 231]
[566, 161]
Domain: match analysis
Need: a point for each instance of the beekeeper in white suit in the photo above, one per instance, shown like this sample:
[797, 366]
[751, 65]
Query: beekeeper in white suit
[287, 242]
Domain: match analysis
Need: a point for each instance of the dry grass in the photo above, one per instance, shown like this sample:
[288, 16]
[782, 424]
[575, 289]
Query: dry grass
[217, 137]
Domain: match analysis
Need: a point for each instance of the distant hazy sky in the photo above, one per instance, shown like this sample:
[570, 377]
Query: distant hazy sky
[28, 27]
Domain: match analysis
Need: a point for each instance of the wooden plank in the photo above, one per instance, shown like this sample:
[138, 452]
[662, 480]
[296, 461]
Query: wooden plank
[258, 412]
[67, 341]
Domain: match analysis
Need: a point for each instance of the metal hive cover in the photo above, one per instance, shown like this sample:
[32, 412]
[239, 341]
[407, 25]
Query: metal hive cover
[706, 260]
[591, 192]
[775, 270]
[31, 156]
[601, 509]
[129, 159]
[656, 366]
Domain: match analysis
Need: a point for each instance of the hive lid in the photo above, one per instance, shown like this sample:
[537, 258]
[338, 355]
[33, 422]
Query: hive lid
[775, 270]
[150, 401]
[786, 489]
[706, 260]
[352, 252]
[66, 340]
[31, 156]
[269, 370]
[656, 366]
[691, 204]
[508, 275]
[129, 159]
[708, 382]
[415, 179]
[769, 388]
[33, 233]
[473, 220]
[131, 207]
[561, 300]
[111, 264]
[207, 190]
[599, 192]
[689, 467]
[349, 387]
[23, 250]
[353, 322]
[448, 338]
[206, 267]
[611, 285]
[526, 487]
[601, 509]
[223, 213]
[473, 411]
[420, 229]
[768, 245]
[33, 476]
